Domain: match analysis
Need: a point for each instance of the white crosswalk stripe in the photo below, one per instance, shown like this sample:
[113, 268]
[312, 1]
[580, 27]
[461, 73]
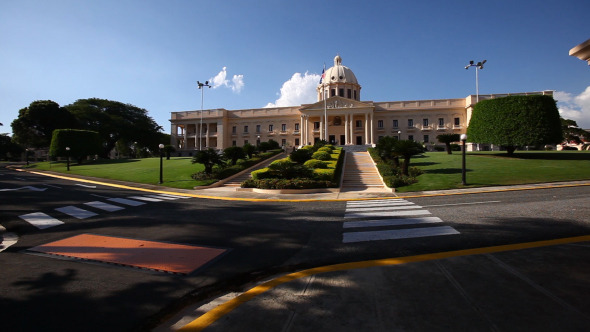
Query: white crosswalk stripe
[391, 222]
[389, 213]
[397, 234]
[126, 201]
[147, 199]
[40, 220]
[76, 212]
[43, 221]
[104, 206]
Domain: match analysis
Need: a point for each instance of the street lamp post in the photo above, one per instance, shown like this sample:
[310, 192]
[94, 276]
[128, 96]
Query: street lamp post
[399, 135]
[68, 157]
[201, 87]
[27, 156]
[477, 66]
[463, 170]
[161, 146]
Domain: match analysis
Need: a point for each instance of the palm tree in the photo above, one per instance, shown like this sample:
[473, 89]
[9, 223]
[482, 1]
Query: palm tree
[208, 158]
[386, 149]
[407, 149]
[447, 139]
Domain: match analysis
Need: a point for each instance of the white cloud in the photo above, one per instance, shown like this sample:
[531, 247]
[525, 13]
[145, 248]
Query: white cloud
[299, 89]
[576, 108]
[236, 84]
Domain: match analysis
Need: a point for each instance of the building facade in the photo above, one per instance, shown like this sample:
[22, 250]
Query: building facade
[339, 117]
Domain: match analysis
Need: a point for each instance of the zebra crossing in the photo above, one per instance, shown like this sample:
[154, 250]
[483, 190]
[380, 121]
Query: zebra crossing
[374, 216]
[43, 220]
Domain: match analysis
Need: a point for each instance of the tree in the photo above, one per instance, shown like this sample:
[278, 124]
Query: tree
[208, 158]
[168, 149]
[233, 153]
[407, 149]
[386, 149]
[447, 139]
[571, 131]
[8, 148]
[35, 124]
[516, 121]
[82, 143]
[114, 120]
[249, 149]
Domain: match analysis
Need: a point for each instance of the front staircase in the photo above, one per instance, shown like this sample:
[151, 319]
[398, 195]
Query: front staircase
[237, 180]
[361, 174]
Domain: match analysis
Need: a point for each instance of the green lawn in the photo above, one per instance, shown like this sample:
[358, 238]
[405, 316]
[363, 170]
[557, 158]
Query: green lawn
[443, 171]
[177, 171]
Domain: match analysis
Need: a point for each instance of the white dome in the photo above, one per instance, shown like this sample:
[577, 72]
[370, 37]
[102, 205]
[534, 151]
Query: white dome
[339, 73]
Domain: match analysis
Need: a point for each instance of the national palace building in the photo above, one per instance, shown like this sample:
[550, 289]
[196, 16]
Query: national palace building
[350, 121]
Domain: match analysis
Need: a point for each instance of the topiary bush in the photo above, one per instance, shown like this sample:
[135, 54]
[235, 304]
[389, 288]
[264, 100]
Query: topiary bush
[302, 155]
[314, 163]
[321, 155]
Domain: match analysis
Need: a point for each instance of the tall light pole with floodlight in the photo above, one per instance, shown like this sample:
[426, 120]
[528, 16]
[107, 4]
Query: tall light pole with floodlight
[161, 146]
[477, 66]
[201, 87]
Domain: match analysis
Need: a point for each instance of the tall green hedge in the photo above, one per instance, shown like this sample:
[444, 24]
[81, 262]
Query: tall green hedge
[515, 121]
[82, 143]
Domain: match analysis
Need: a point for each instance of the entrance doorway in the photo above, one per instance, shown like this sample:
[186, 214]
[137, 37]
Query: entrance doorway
[342, 139]
[332, 139]
[359, 140]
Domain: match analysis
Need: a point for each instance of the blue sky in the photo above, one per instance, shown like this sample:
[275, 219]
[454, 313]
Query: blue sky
[151, 53]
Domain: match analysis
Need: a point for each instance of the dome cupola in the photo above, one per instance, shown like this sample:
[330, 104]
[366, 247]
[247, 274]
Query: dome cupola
[340, 81]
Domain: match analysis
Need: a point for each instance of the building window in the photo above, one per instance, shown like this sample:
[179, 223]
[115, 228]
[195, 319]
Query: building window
[359, 123]
[245, 142]
[245, 129]
[341, 92]
[457, 122]
[284, 127]
[380, 124]
[395, 123]
[270, 128]
[332, 92]
[426, 139]
[233, 143]
[441, 122]
[349, 93]
[297, 127]
[410, 137]
[410, 123]
[316, 125]
[234, 129]
[425, 122]
[283, 142]
[297, 142]
[257, 128]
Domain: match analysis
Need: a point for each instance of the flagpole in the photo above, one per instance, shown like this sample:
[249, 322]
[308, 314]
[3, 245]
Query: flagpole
[325, 111]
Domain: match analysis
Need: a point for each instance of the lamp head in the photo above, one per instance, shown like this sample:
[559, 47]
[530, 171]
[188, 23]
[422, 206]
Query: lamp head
[463, 137]
[161, 146]
[471, 62]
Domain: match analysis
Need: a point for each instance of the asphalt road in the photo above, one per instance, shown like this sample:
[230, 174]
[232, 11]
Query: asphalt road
[264, 238]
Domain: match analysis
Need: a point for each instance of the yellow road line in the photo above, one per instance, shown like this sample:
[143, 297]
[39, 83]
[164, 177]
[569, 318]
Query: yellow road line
[213, 315]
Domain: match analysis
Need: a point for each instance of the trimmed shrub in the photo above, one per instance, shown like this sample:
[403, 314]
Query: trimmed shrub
[323, 174]
[326, 149]
[321, 155]
[314, 163]
[285, 184]
[263, 173]
[302, 155]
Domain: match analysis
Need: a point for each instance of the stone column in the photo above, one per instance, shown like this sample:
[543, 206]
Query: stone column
[372, 127]
[366, 128]
[346, 129]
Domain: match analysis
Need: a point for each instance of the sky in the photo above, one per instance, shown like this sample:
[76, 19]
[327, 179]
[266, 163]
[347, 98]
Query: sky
[269, 53]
